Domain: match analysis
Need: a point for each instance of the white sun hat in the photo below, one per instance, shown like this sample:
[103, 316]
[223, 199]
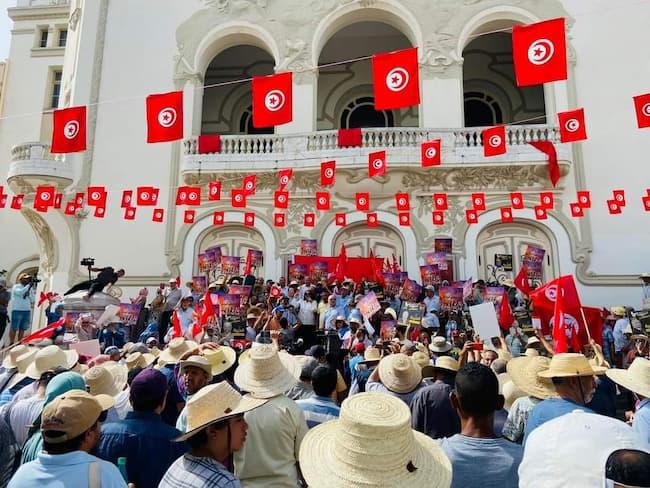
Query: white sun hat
[524, 373]
[175, 350]
[372, 444]
[9, 362]
[220, 359]
[636, 378]
[49, 358]
[22, 363]
[267, 373]
[107, 379]
[399, 373]
[139, 360]
[570, 364]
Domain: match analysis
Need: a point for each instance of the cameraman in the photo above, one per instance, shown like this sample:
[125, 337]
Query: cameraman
[107, 276]
[22, 301]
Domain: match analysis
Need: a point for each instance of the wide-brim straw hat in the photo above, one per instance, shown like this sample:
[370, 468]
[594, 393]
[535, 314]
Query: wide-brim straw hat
[138, 359]
[421, 358]
[175, 350]
[510, 393]
[214, 403]
[530, 352]
[636, 378]
[447, 363]
[440, 344]
[267, 373]
[22, 363]
[50, 358]
[220, 359]
[399, 373]
[568, 364]
[371, 355]
[524, 372]
[108, 379]
[372, 444]
[617, 310]
[9, 362]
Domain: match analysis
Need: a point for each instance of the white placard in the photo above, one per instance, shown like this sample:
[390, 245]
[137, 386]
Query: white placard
[537, 323]
[109, 312]
[484, 320]
[86, 348]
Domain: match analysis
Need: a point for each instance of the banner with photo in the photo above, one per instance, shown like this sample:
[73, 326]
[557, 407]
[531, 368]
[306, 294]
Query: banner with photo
[387, 330]
[411, 291]
[297, 271]
[309, 247]
[230, 265]
[451, 298]
[443, 245]
[318, 270]
[230, 304]
[369, 305]
[129, 313]
[255, 258]
[533, 259]
[493, 294]
[430, 275]
[244, 291]
[199, 284]
[392, 282]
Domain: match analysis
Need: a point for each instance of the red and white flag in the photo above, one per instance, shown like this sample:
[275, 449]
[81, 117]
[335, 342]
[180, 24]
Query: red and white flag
[402, 202]
[471, 216]
[517, 200]
[506, 215]
[372, 220]
[129, 213]
[100, 212]
[646, 202]
[249, 219]
[546, 200]
[147, 196]
[438, 217]
[440, 201]
[642, 108]
[44, 197]
[158, 215]
[376, 164]
[396, 79]
[327, 173]
[279, 219]
[281, 199]
[238, 198]
[548, 148]
[272, 100]
[69, 132]
[619, 197]
[79, 199]
[309, 220]
[540, 213]
[584, 198]
[165, 117]
[97, 196]
[189, 216]
[577, 210]
[70, 208]
[494, 141]
[478, 201]
[322, 200]
[404, 219]
[17, 201]
[572, 125]
[284, 177]
[193, 195]
[218, 217]
[58, 199]
[249, 184]
[614, 207]
[521, 280]
[127, 198]
[3, 200]
[340, 219]
[539, 52]
[362, 200]
[430, 153]
[214, 191]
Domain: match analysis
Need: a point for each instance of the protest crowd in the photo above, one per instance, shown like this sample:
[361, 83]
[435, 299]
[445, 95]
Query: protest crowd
[330, 381]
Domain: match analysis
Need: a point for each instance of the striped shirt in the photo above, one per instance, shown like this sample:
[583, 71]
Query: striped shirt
[318, 409]
[197, 472]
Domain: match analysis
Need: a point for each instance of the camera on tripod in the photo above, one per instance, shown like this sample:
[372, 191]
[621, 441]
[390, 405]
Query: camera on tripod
[88, 262]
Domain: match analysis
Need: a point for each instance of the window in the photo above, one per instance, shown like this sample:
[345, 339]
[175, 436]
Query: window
[361, 113]
[481, 110]
[43, 41]
[63, 37]
[246, 124]
[56, 88]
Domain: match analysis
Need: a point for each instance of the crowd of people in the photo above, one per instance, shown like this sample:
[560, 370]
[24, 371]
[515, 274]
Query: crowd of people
[298, 388]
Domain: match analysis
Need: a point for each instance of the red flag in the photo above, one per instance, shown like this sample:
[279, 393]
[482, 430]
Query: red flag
[471, 217]
[646, 202]
[619, 197]
[70, 208]
[642, 108]
[438, 218]
[309, 220]
[584, 198]
[249, 219]
[249, 263]
[404, 219]
[238, 198]
[614, 207]
[79, 199]
[594, 318]
[281, 199]
[44, 197]
[327, 173]
[279, 219]
[217, 217]
[572, 125]
[371, 219]
[17, 201]
[341, 264]
[165, 117]
[158, 215]
[559, 325]
[506, 318]
[275, 291]
[376, 164]
[44, 297]
[69, 133]
[430, 153]
[284, 177]
[100, 212]
[97, 196]
[396, 79]
[208, 309]
[494, 141]
[402, 202]
[178, 280]
[129, 213]
[540, 213]
[539, 52]
[350, 137]
[147, 196]
[440, 201]
[377, 275]
[209, 143]
[272, 100]
[363, 201]
[521, 280]
[322, 200]
[214, 191]
[58, 198]
[396, 268]
[127, 197]
[3, 201]
[188, 216]
[548, 148]
[506, 215]
[517, 200]
[340, 219]
[478, 201]
[546, 200]
[577, 210]
[249, 184]
[193, 195]
[44, 332]
[176, 323]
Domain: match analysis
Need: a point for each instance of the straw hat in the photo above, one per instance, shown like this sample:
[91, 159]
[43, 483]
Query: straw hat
[22, 363]
[390, 311]
[510, 393]
[220, 359]
[530, 352]
[197, 362]
[636, 378]
[372, 444]
[399, 373]
[421, 358]
[570, 364]
[213, 403]
[175, 349]
[440, 344]
[50, 358]
[447, 363]
[617, 310]
[107, 379]
[10, 361]
[524, 372]
[137, 359]
[371, 355]
[532, 341]
[267, 373]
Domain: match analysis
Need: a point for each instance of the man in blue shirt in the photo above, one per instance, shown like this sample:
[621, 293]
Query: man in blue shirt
[344, 300]
[573, 379]
[142, 437]
[22, 300]
[637, 380]
[70, 430]
[320, 407]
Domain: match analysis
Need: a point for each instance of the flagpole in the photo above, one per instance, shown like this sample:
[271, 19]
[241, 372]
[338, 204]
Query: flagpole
[584, 320]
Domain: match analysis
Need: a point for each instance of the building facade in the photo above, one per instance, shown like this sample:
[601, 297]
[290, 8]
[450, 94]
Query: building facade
[110, 54]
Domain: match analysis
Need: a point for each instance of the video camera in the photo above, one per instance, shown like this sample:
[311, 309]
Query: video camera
[88, 263]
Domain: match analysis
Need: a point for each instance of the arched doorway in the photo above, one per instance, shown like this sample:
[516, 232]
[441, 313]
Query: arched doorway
[491, 94]
[513, 239]
[345, 94]
[234, 240]
[227, 109]
[359, 240]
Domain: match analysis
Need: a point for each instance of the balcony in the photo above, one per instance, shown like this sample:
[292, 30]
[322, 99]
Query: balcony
[32, 164]
[460, 147]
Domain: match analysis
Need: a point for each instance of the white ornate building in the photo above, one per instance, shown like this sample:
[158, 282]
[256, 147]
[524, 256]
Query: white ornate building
[110, 54]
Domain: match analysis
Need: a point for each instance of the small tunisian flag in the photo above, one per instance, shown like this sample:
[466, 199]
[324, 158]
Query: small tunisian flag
[272, 100]
[363, 201]
[176, 323]
[521, 281]
[249, 184]
[165, 117]
[328, 173]
[494, 141]
[548, 148]
[376, 164]
[430, 153]
[572, 125]
[97, 196]
[284, 177]
[539, 52]
[402, 202]
[396, 79]
[44, 197]
[44, 332]
[642, 108]
[69, 133]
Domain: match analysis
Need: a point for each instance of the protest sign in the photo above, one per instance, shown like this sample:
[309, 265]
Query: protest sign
[430, 275]
[309, 247]
[129, 313]
[109, 312]
[392, 282]
[533, 260]
[71, 318]
[387, 330]
[244, 291]
[318, 270]
[86, 348]
[412, 314]
[230, 265]
[369, 305]
[230, 304]
[203, 263]
[451, 298]
[442, 245]
[493, 294]
[411, 291]
[199, 284]
[297, 271]
[436, 258]
[503, 261]
[484, 321]
[255, 258]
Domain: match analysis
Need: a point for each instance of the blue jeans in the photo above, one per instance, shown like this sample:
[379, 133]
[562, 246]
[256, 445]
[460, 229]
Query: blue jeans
[20, 320]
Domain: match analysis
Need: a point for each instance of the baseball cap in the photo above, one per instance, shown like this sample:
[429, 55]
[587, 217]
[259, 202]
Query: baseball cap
[72, 413]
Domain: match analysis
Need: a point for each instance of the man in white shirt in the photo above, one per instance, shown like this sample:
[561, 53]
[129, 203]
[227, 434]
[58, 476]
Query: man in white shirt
[431, 300]
[307, 309]
[173, 297]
